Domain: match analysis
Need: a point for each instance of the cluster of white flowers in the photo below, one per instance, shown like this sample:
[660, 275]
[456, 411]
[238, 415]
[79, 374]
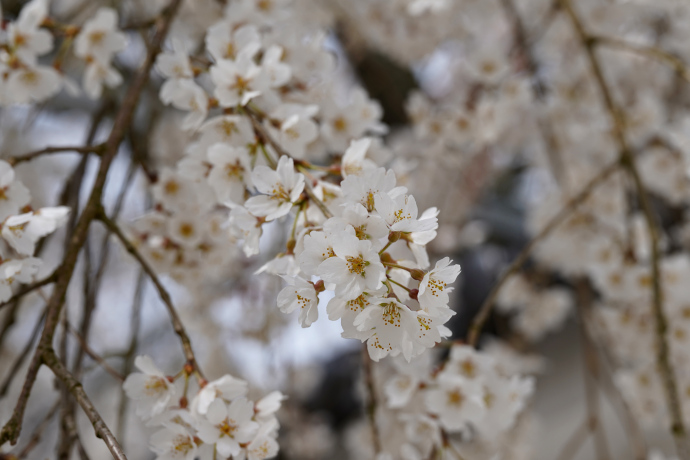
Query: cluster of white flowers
[32, 36]
[474, 401]
[21, 228]
[278, 147]
[354, 232]
[218, 422]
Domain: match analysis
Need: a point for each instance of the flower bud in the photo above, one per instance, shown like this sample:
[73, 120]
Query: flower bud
[291, 246]
[417, 274]
[319, 286]
[386, 258]
[413, 294]
[394, 236]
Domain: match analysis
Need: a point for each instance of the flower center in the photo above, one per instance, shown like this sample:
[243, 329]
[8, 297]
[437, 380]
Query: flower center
[391, 315]
[182, 444]
[279, 193]
[154, 386]
[455, 398]
[357, 265]
[234, 170]
[227, 428]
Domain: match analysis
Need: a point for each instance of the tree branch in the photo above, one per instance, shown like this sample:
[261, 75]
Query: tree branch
[663, 353]
[162, 292]
[75, 388]
[84, 149]
[12, 429]
[572, 204]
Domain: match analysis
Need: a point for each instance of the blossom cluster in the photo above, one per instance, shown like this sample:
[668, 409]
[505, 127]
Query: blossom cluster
[219, 420]
[31, 38]
[21, 228]
[476, 398]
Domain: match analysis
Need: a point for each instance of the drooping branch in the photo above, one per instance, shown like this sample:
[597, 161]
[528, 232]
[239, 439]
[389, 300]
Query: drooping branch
[84, 150]
[12, 429]
[570, 206]
[162, 292]
[676, 63]
[619, 130]
[75, 388]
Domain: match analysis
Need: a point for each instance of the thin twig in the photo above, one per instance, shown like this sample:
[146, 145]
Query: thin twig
[27, 288]
[84, 150]
[539, 90]
[590, 371]
[95, 356]
[14, 370]
[666, 370]
[572, 204]
[265, 137]
[676, 63]
[38, 432]
[162, 292]
[12, 429]
[75, 388]
[135, 325]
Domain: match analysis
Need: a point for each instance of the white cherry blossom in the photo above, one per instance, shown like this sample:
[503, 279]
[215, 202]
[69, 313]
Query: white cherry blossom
[23, 231]
[228, 425]
[300, 295]
[150, 388]
[355, 268]
[281, 188]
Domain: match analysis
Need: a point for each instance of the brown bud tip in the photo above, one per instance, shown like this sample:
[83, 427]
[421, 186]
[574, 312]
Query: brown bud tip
[394, 236]
[188, 368]
[386, 258]
[183, 402]
[203, 383]
[170, 378]
[319, 286]
[417, 274]
[291, 246]
[414, 293]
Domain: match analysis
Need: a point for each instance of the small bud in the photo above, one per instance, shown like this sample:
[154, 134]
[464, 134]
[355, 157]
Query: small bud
[417, 274]
[183, 402]
[386, 258]
[170, 378]
[394, 236]
[188, 368]
[291, 246]
[203, 383]
[319, 286]
[414, 293]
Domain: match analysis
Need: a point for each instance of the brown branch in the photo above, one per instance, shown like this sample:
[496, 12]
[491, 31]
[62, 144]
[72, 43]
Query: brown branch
[27, 288]
[162, 292]
[539, 89]
[264, 137]
[95, 356]
[663, 353]
[604, 378]
[572, 204]
[590, 370]
[673, 61]
[51, 360]
[12, 429]
[14, 370]
[36, 437]
[84, 149]
[135, 325]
